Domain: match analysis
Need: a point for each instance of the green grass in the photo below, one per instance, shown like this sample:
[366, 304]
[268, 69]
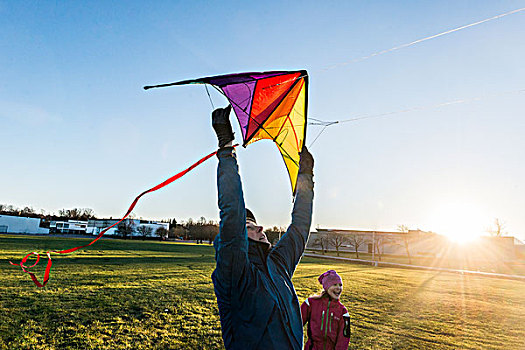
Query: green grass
[157, 295]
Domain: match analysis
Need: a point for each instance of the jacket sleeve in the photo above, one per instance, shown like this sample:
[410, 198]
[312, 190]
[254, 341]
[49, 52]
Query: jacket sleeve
[305, 311]
[290, 248]
[343, 336]
[231, 244]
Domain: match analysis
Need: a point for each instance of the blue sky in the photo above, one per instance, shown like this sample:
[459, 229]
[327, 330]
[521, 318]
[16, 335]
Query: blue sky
[78, 130]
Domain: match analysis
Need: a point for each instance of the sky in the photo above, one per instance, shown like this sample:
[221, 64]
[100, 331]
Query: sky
[78, 130]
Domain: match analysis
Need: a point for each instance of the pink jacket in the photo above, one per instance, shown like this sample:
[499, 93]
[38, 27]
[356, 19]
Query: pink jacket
[328, 324]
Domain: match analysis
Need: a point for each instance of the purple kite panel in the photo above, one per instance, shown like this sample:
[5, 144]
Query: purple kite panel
[241, 97]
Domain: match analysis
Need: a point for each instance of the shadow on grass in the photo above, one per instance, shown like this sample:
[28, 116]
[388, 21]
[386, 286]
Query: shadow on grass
[87, 260]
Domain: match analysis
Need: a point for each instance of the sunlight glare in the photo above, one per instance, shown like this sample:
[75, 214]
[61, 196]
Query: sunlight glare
[459, 222]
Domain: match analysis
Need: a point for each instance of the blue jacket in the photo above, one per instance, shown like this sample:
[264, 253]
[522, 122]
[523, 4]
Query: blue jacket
[257, 302]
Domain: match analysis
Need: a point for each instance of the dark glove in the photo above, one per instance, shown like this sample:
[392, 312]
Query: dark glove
[220, 120]
[306, 162]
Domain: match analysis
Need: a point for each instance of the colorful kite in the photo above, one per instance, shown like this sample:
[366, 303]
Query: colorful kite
[268, 105]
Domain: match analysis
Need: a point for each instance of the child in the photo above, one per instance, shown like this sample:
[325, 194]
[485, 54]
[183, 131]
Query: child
[328, 320]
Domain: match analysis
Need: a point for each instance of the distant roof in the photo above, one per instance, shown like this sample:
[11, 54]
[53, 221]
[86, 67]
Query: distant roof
[320, 230]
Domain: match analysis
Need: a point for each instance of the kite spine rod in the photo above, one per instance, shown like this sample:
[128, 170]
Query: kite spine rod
[160, 85]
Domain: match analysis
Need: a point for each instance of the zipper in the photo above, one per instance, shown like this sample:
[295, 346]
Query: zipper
[331, 318]
[322, 320]
[326, 324]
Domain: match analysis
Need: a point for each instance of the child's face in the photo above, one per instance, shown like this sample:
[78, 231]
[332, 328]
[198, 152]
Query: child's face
[335, 291]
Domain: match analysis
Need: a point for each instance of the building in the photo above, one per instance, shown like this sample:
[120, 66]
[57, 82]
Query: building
[136, 227]
[70, 226]
[419, 243]
[27, 225]
[20, 224]
[422, 244]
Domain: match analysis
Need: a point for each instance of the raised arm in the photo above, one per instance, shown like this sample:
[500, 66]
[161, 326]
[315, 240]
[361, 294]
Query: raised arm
[290, 248]
[231, 245]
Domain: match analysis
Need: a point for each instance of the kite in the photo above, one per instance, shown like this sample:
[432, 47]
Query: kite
[268, 105]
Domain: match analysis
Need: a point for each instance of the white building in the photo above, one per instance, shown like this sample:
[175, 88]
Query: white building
[95, 226]
[19, 224]
[70, 226]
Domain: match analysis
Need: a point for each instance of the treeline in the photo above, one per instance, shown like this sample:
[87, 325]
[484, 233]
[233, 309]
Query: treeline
[201, 230]
[63, 214]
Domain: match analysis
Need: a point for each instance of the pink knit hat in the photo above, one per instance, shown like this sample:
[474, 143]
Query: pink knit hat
[329, 278]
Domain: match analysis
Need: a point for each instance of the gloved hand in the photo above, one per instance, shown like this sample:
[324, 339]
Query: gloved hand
[306, 162]
[220, 120]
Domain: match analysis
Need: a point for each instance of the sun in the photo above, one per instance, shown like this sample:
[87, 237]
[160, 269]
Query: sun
[461, 222]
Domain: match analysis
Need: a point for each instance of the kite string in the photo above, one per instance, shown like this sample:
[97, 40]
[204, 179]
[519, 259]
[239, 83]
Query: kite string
[211, 101]
[325, 124]
[421, 40]
[407, 44]
[319, 134]
[130, 209]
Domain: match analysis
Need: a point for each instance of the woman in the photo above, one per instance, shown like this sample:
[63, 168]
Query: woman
[328, 320]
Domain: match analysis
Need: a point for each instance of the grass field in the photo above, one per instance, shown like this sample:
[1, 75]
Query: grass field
[155, 295]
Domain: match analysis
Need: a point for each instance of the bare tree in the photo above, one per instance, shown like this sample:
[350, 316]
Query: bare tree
[274, 234]
[27, 211]
[126, 228]
[379, 243]
[497, 230]
[406, 240]
[77, 213]
[87, 213]
[321, 241]
[337, 240]
[202, 229]
[178, 231]
[144, 231]
[356, 241]
[162, 233]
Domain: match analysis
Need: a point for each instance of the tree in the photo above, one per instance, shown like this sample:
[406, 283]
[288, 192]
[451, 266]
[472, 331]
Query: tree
[87, 213]
[321, 241]
[201, 229]
[27, 211]
[406, 240]
[274, 234]
[77, 213]
[497, 230]
[337, 240]
[178, 231]
[356, 241]
[379, 244]
[126, 228]
[144, 231]
[162, 233]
